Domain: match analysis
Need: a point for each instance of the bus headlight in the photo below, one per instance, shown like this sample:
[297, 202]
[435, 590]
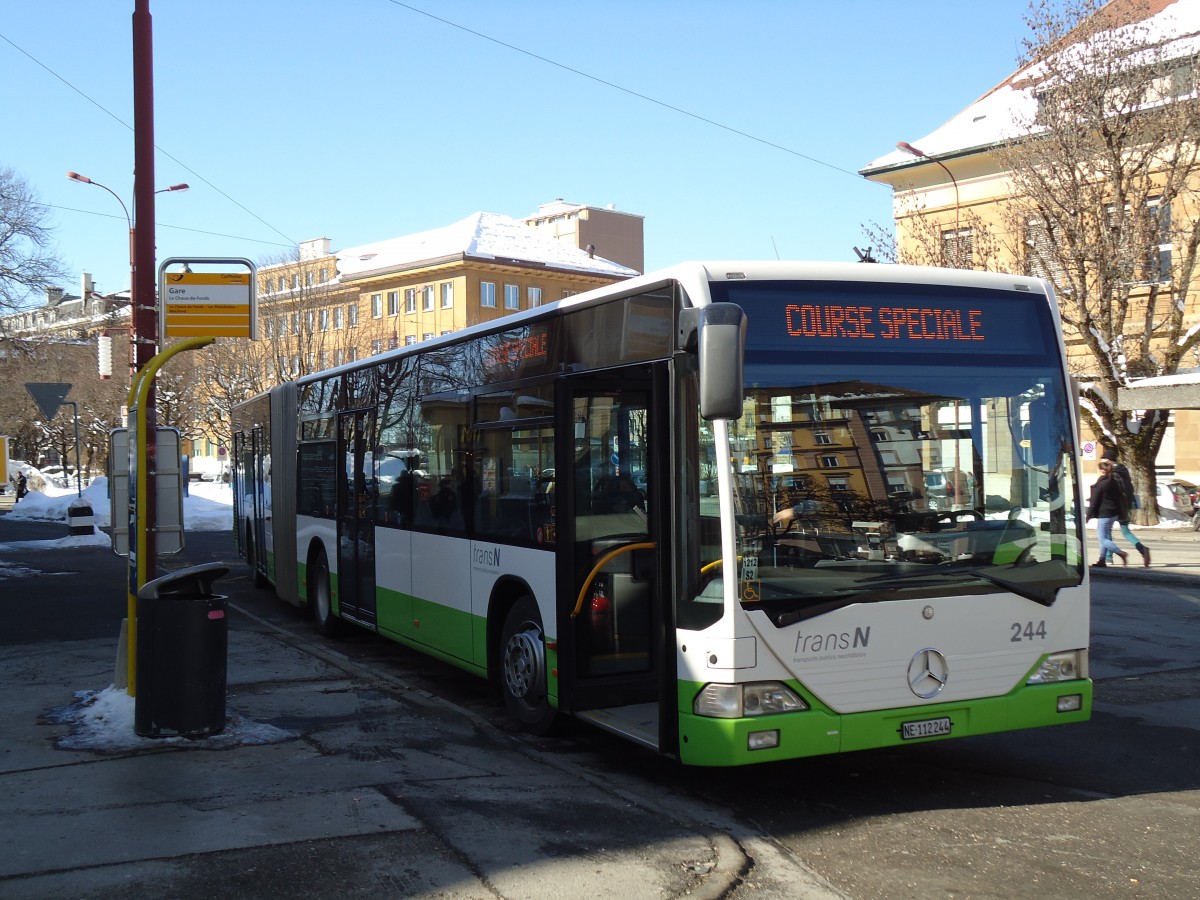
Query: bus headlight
[1067, 666]
[759, 698]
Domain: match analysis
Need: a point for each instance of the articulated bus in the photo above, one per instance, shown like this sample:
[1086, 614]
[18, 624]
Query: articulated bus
[733, 511]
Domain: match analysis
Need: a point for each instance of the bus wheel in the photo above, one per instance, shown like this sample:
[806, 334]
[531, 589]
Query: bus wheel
[523, 668]
[319, 596]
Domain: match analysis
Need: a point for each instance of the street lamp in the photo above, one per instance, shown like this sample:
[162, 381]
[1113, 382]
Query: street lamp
[906, 147]
[83, 179]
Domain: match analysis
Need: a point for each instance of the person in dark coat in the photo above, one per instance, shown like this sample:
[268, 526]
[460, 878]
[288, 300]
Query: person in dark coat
[22, 486]
[1107, 505]
[1121, 472]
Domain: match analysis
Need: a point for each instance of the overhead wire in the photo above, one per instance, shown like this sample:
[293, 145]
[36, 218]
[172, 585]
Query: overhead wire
[630, 91]
[291, 242]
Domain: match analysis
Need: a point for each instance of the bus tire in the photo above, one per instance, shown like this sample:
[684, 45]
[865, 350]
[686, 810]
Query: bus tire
[320, 597]
[523, 668]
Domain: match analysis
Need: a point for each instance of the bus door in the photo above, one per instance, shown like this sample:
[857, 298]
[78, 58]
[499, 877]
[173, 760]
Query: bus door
[357, 496]
[261, 461]
[612, 540]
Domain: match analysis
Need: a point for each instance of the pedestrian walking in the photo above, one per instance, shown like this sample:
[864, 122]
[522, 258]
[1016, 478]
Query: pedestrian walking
[1108, 505]
[1122, 473]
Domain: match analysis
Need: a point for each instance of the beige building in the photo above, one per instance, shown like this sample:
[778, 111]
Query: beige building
[953, 194]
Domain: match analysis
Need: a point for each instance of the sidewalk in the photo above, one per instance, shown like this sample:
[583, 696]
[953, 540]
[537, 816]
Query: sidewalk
[1174, 555]
[331, 780]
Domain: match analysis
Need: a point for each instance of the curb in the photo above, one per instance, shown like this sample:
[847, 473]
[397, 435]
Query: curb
[1191, 579]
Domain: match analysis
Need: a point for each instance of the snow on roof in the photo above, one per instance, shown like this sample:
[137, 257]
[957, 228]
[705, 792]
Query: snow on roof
[480, 235]
[999, 115]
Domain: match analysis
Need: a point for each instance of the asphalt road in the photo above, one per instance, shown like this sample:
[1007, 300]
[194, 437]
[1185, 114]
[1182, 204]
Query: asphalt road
[1102, 809]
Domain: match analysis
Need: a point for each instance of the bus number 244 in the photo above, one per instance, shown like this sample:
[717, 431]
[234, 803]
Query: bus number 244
[1028, 632]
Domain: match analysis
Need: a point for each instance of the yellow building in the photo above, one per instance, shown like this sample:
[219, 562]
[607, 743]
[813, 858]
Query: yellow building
[958, 200]
[330, 307]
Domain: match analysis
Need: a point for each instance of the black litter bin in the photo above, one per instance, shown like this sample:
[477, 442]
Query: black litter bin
[182, 635]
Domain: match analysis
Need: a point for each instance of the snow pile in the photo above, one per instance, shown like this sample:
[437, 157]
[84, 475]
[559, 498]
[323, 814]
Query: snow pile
[102, 722]
[208, 507]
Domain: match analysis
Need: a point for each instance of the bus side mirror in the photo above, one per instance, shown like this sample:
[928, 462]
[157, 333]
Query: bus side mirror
[717, 333]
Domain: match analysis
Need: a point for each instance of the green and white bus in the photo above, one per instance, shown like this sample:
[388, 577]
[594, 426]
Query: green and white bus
[733, 511]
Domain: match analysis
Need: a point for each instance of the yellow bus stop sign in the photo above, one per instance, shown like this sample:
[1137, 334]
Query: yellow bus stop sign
[207, 303]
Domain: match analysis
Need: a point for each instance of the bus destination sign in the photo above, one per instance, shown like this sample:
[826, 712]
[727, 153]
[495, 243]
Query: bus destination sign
[895, 323]
[882, 319]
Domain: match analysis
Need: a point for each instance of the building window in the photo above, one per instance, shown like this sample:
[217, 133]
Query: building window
[1158, 264]
[337, 318]
[323, 319]
[487, 294]
[958, 248]
[567, 293]
[295, 280]
[376, 347]
[447, 294]
[838, 482]
[352, 315]
[410, 300]
[822, 437]
[377, 306]
[427, 336]
[308, 279]
[295, 323]
[338, 356]
[282, 283]
[323, 275]
[409, 340]
[829, 462]
[534, 296]
[353, 354]
[427, 302]
[512, 296]
[393, 303]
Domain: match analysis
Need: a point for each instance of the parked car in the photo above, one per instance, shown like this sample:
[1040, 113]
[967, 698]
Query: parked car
[1174, 497]
[1193, 491]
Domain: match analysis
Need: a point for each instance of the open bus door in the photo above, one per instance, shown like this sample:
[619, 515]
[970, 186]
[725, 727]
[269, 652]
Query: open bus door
[357, 497]
[615, 663]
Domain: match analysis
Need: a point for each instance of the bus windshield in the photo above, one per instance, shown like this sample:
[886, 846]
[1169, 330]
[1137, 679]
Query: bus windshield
[949, 480]
[899, 442]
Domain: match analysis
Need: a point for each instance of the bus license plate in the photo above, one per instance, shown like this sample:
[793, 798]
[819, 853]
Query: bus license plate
[924, 729]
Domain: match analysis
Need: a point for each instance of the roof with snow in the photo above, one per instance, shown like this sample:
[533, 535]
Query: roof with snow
[1000, 115]
[480, 236]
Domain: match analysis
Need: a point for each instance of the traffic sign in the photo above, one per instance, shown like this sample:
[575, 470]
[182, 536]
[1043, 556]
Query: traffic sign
[48, 397]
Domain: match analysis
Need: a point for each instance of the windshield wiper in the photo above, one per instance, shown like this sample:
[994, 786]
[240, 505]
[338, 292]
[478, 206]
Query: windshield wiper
[1040, 589]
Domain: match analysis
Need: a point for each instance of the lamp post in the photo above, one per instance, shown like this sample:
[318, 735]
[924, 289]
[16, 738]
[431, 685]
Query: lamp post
[906, 147]
[83, 179]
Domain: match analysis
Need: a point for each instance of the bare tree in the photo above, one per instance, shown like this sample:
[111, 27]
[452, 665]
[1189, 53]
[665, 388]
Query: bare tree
[59, 361]
[1104, 205]
[27, 264]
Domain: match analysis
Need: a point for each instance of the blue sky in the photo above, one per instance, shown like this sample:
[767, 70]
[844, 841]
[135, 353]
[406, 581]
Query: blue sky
[365, 120]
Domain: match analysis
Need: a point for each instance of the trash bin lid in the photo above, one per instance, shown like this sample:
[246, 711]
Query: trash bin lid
[192, 582]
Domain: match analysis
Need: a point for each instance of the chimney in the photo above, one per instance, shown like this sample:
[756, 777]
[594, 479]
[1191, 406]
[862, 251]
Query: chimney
[54, 296]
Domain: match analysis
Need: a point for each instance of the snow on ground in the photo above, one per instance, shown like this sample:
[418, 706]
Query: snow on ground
[103, 722]
[209, 506]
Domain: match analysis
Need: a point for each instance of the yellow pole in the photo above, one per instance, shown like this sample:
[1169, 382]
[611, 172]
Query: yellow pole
[139, 391]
